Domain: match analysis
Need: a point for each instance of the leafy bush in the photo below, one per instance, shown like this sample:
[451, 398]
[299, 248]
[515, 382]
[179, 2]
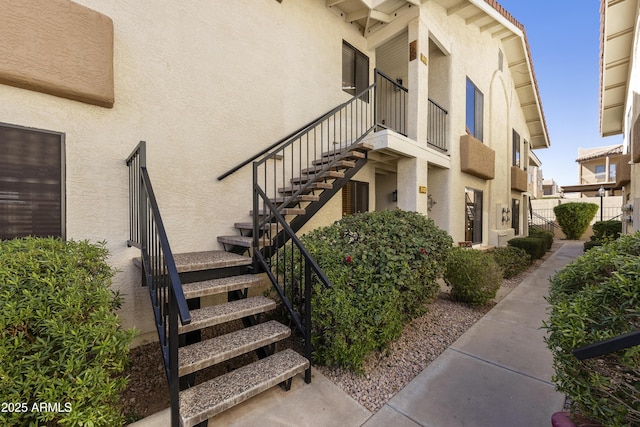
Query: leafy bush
[511, 260]
[603, 232]
[474, 276]
[61, 341]
[545, 235]
[574, 218]
[610, 228]
[536, 247]
[384, 268]
[594, 298]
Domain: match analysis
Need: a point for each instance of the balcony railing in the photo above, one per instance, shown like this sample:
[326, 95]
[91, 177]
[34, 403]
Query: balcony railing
[437, 126]
[391, 104]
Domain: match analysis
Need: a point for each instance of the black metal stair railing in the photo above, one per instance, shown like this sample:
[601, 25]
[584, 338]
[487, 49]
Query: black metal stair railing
[437, 126]
[285, 174]
[159, 270]
[391, 103]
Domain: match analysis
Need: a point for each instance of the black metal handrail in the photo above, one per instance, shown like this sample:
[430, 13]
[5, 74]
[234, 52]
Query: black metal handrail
[537, 220]
[159, 270]
[610, 345]
[285, 174]
[437, 126]
[391, 103]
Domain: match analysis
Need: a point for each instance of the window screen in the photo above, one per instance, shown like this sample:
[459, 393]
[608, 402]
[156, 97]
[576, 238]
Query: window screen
[31, 183]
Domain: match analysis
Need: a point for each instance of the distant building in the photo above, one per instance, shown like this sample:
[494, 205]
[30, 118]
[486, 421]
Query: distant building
[598, 168]
[534, 174]
[550, 188]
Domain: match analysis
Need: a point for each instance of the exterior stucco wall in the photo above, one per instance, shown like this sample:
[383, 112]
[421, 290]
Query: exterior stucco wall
[57, 47]
[207, 85]
[474, 54]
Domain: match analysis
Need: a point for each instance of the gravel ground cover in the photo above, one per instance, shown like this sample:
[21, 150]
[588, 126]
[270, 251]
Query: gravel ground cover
[385, 373]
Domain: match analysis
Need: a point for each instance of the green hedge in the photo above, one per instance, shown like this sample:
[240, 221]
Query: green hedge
[511, 260]
[61, 341]
[594, 298]
[574, 218]
[603, 232]
[536, 247]
[547, 236]
[384, 268]
[474, 276]
[610, 228]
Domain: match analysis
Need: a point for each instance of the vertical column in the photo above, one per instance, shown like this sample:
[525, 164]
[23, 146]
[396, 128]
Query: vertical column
[412, 185]
[418, 84]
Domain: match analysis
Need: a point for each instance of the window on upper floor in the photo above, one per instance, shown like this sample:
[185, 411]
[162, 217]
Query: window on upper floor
[31, 183]
[474, 111]
[600, 173]
[515, 158]
[355, 69]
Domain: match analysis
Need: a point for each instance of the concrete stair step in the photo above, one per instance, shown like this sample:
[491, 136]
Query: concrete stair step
[312, 176]
[215, 350]
[283, 211]
[220, 286]
[298, 199]
[217, 314]
[332, 155]
[315, 186]
[242, 241]
[361, 148]
[207, 260]
[210, 398]
[340, 164]
[246, 228]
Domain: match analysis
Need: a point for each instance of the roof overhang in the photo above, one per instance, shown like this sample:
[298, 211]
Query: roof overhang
[488, 16]
[369, 14]
[492, 18]
[583, 188]
[617, 34]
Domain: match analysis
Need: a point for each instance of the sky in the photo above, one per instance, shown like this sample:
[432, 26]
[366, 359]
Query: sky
[564, 36]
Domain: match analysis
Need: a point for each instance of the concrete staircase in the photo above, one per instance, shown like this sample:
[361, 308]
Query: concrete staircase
[302, 207]
[217, 287]
[226, 274]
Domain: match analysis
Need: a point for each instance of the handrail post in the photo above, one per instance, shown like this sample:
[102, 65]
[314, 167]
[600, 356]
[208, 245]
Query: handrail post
[174, 383]
[307, 318]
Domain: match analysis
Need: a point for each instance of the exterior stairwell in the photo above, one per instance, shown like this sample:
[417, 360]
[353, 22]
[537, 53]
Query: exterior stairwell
[183, 287]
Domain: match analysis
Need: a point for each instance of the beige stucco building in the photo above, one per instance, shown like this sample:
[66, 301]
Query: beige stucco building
[207, 88]
[620, 96]
[450, 84]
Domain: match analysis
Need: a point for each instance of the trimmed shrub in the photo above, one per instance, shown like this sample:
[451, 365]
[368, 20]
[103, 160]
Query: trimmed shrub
[474, 276]
[547, 236]
[384, 268]
[610, 228]
[61, 341]
[574, 218]
[594, 298]
[603, 232]
[511, 260]
[536, 247]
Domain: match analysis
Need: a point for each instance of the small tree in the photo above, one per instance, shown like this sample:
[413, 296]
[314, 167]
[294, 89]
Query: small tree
[574, 218]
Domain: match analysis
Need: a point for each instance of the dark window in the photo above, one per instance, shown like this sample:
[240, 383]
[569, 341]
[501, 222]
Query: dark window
[31, 183]
[475, 111]
[516, 149]
[355, 197]
[355, 70]
[473, 215]
[515, 215]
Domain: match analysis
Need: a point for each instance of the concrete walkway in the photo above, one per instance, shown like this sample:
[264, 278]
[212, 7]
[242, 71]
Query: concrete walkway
[497, 374]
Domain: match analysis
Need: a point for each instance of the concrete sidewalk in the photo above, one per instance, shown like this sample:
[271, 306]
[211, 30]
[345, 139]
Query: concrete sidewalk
[497, 374]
